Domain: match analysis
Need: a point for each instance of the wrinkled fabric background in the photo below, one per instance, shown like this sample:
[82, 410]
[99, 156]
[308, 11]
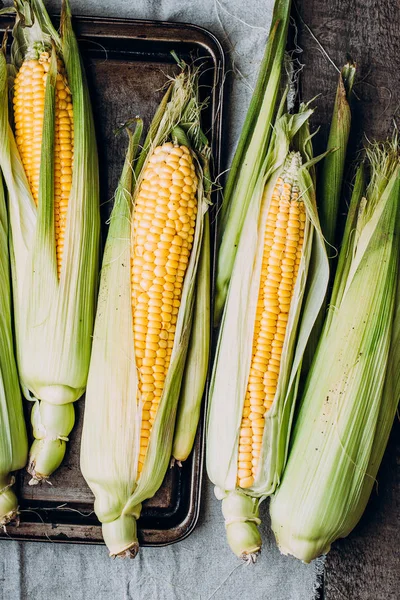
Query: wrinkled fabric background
[201, 567]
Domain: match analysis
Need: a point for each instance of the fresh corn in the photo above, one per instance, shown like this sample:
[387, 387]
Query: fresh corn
[145, 312]
[262, 336]
[13, 439]
[353, 388]
[51, 174]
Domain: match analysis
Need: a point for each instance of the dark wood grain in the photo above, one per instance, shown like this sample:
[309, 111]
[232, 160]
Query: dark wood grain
[367, 29]
[366, 565]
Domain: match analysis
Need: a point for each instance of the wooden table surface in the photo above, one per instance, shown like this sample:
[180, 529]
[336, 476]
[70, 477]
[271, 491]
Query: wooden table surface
[366, 565]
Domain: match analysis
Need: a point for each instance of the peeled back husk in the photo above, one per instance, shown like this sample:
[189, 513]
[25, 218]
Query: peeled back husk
[353, 388]
[234, 349]
[250, 153]
[53, 317]
[113, 410]
[197, 360]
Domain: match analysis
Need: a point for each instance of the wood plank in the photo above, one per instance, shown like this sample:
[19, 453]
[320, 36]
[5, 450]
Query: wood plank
[365, 566]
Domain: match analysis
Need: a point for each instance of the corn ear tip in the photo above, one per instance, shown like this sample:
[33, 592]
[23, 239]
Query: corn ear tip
[127, 125]
[66, 8]
[66, 16]
[348, 74]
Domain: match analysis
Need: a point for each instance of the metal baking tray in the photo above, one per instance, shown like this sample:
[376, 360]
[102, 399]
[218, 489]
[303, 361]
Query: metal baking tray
[127, 64]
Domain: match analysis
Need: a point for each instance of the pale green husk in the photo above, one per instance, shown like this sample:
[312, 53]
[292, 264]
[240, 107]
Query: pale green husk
[329, 188]
[233, 355]
[331, 181]
[53, 318]
[111, 430]
[13, 439]
[250, 154]
[353, 388]
[196, 368]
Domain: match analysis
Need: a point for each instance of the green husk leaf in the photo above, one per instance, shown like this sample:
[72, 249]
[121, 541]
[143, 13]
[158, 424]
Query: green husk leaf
[13, 438]
[109, 378]
[197, 360]
[7, 10]
[348, 241]
[331, 181]
[250, 153]
[347, 410]
[330, 186]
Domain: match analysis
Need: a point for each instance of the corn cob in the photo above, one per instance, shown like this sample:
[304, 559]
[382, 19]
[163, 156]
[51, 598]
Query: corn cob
[249, 156]
[347, 409]
[52, 177]
[145, 311]
[262, 338]
[13, 439]
[162, 236]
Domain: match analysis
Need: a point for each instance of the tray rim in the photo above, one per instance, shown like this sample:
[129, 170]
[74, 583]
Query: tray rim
[172, 33]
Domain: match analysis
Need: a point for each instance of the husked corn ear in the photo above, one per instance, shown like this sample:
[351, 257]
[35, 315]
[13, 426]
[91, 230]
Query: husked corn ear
[162, 236]
[248, 161]
[283, 243]
[29, 103]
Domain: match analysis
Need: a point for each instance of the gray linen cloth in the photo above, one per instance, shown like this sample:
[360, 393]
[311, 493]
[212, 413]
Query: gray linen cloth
[201, 567]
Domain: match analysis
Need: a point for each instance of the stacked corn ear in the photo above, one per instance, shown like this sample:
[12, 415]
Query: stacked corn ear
[13, 439]
[50, 168]
[353, 388]
[147, 299]
[249, 156]
[274, 297]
